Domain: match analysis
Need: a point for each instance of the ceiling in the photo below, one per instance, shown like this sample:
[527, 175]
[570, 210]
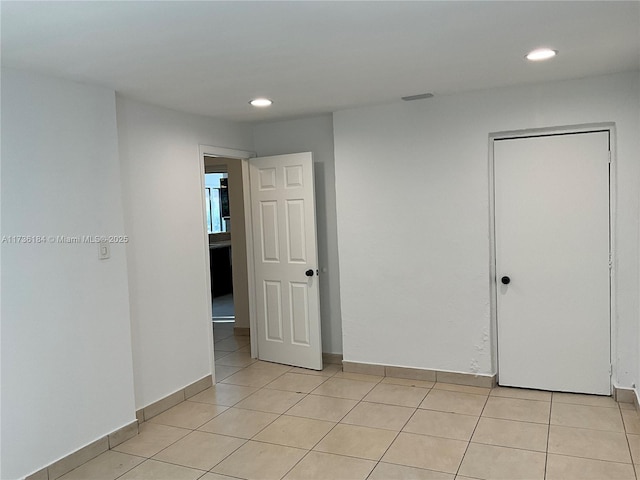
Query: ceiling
[309, 57]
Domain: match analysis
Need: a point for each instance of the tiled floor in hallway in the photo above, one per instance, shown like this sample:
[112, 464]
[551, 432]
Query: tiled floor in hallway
[269, 421]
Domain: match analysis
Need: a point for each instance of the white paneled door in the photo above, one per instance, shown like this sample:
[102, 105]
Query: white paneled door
[285, 260]
[552, 262]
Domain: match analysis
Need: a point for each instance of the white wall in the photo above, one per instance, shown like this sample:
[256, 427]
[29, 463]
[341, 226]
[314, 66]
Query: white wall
[167, 261]
[315, 135]
[412, 202]
[66, 340]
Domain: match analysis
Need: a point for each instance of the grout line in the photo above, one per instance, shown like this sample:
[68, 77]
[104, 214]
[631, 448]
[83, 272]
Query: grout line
[578, 428]
[357, 403]
[323, 437]
[546, 451]
[196, 429]
[124, 473]
[626, 436]
[472, 434]
[399, 431]
[227, 456]
[587, 458]
[204, 471]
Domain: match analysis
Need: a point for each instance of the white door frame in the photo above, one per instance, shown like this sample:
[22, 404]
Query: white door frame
[243, 156]
[593, 127]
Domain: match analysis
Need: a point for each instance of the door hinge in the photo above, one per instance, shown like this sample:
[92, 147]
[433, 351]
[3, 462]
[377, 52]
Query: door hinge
[610, 370]
[609, 156]
[610, 261]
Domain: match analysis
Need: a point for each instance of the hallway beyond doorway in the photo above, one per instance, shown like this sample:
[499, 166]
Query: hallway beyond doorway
[223, 309]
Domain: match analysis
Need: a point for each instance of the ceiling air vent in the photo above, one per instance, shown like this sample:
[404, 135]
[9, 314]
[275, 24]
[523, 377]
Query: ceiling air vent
[417, 97]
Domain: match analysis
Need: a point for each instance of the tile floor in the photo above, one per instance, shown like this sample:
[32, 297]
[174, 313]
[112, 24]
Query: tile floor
[269, 421]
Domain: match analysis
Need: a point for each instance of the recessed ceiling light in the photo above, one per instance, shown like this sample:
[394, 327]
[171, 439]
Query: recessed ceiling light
[541, 54]
[260, 102]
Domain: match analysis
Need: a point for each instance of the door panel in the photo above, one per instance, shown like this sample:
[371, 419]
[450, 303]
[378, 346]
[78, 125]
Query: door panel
[287, 300]
[552, 240]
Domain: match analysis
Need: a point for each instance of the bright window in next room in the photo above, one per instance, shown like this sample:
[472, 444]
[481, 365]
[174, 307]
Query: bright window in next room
[217, 202]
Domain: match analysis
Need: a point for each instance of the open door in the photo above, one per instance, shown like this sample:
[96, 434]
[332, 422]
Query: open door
[286, 260]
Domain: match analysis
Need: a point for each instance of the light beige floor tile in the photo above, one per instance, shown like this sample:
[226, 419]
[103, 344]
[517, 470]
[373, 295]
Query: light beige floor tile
[188, 414]
[522, 393]
[389, 471]
[442, 424]
[407, 382]
[215, 476]
[236, 359]
[248, 377]
[329, 370]
[396, 395]
[582, 416]
[359, 376]
[454, 402]
[223, 394]
[378, 415]
[355, 441]
[452, 387]
[296, 382]
[595, 444]
[273, 401]
[634, 446]
[508, 433]
[560, 467]
[269, 367]
[489, 461]
[151, 439]
[579, 399]
[218, 354]
[238, 422]
[260, 461]
[223, 372]
[627, 406]
[224, 342]
[231, 344]
[422, 451]
[107, 466]
[323, 466]
[517, 409]
[631, 421]
[154, 470]
[296, 432]
[322, 408]
[343, 388]
[199, 450]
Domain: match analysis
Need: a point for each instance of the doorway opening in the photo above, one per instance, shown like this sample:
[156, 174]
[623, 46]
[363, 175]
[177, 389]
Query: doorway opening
[226, 234]
[219, 231]
[282, 317]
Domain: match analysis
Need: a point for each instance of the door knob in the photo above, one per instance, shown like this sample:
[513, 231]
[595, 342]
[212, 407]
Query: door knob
[505, 280]
[309, 273]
